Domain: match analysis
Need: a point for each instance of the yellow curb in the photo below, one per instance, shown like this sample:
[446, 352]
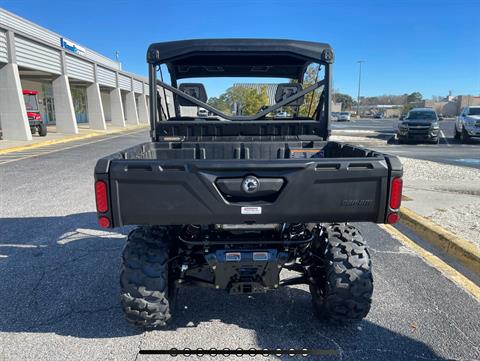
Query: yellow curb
[70, 139]
[448, 271]
[462, 250]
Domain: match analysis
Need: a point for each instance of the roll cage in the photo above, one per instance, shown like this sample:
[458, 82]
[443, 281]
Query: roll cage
[239, 58]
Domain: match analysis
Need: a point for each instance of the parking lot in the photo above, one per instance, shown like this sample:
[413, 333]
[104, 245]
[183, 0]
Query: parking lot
[381, 133]
[59, 277]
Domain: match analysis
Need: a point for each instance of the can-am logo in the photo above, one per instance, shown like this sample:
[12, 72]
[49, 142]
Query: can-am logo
[74, 48]
[250, 184]
[357, 202]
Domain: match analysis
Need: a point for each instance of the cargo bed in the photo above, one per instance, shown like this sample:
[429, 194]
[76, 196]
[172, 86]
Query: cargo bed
[172, 183]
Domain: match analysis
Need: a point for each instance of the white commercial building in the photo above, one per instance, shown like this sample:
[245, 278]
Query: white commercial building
[73, 83]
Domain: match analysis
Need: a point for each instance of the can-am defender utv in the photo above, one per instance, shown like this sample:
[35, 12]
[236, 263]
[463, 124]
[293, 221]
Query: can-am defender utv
[229, 201]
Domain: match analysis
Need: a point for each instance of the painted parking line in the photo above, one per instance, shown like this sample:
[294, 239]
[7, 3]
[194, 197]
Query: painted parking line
[444, 137]
[448, 271]
[468, 160]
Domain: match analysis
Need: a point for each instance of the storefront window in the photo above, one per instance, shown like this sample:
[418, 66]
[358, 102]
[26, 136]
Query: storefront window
[79, 98]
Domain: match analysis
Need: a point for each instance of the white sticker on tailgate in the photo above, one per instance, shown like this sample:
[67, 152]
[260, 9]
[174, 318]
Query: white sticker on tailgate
[251, 210]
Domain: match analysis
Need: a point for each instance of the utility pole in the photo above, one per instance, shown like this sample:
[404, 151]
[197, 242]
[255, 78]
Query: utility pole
[359, 81]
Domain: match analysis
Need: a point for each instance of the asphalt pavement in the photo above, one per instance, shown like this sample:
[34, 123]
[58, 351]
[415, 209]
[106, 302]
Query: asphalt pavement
[59, 291]
[379, 134]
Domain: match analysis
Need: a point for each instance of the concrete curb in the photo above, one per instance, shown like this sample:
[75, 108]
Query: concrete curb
[464, 251]
[71, 138]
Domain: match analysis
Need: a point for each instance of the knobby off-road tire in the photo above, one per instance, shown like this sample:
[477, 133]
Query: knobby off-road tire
[342, 292]
[145, 292]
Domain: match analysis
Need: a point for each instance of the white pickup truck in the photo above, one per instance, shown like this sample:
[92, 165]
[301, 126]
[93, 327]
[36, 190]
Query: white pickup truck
[467, 124]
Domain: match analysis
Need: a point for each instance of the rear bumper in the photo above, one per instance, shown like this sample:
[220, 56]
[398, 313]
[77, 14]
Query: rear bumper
[187, 192]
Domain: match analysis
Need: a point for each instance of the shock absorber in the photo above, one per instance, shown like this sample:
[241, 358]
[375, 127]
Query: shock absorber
[191, 233]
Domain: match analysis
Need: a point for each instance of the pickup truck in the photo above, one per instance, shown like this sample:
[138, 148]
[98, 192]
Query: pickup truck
[228, 202]
[467, 124]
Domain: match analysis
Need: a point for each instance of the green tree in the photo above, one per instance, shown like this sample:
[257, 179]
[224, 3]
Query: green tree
[221, 103]
[311, 99]
[407, 107]
[414, 97]
[249, 99]
[345, 99]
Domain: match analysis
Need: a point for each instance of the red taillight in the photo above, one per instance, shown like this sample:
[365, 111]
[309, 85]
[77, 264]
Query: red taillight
[393, 218]
[101, 196]
[104, 222]
[396, 193]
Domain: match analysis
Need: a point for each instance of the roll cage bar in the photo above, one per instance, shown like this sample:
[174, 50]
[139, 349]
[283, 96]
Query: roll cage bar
[194, 58]
[256, 116]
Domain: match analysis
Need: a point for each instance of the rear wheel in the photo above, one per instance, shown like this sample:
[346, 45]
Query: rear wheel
[42, 130]
[145, 292]
[342, 287]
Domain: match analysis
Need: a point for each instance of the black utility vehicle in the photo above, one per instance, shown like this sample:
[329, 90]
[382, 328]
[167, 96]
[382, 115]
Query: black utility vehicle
[228, 202]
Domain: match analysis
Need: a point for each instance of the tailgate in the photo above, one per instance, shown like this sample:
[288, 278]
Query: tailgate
[213, 192]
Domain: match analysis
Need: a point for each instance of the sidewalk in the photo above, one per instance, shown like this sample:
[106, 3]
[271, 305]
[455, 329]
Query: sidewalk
[448, 195]
[53, 137]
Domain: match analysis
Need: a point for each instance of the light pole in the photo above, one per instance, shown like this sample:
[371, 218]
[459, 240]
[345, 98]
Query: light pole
[359, 81]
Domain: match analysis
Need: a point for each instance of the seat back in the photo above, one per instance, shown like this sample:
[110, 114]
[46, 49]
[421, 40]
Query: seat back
[286, 90]
[195, 90]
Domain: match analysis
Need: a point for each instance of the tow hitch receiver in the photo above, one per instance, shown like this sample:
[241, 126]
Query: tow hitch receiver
[246, 271]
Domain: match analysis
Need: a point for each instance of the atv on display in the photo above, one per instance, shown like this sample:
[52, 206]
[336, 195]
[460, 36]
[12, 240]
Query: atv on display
[33, 113]
[229, 201]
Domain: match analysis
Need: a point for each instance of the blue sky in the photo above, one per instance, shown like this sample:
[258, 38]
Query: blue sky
[428, 46]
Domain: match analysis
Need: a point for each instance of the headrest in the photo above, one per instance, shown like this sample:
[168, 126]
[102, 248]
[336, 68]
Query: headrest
[195, 90]
[287, 90]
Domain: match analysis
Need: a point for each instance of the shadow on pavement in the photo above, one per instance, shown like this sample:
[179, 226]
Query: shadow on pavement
[60, 275]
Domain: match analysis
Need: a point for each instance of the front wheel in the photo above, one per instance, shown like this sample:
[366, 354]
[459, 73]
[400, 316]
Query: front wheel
[146, 293]
[42, 130]
[457, 133]
[342, 288]
[465, 137]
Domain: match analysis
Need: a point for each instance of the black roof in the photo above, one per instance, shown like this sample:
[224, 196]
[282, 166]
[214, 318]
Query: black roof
[238, 57]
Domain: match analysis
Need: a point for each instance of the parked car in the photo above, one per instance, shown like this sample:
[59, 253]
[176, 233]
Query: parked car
[202, 112]
[378, 116]
[467, 124]
[33, 113]
[228, 205]
[282, 115]
[420, 124]
[344, 116]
